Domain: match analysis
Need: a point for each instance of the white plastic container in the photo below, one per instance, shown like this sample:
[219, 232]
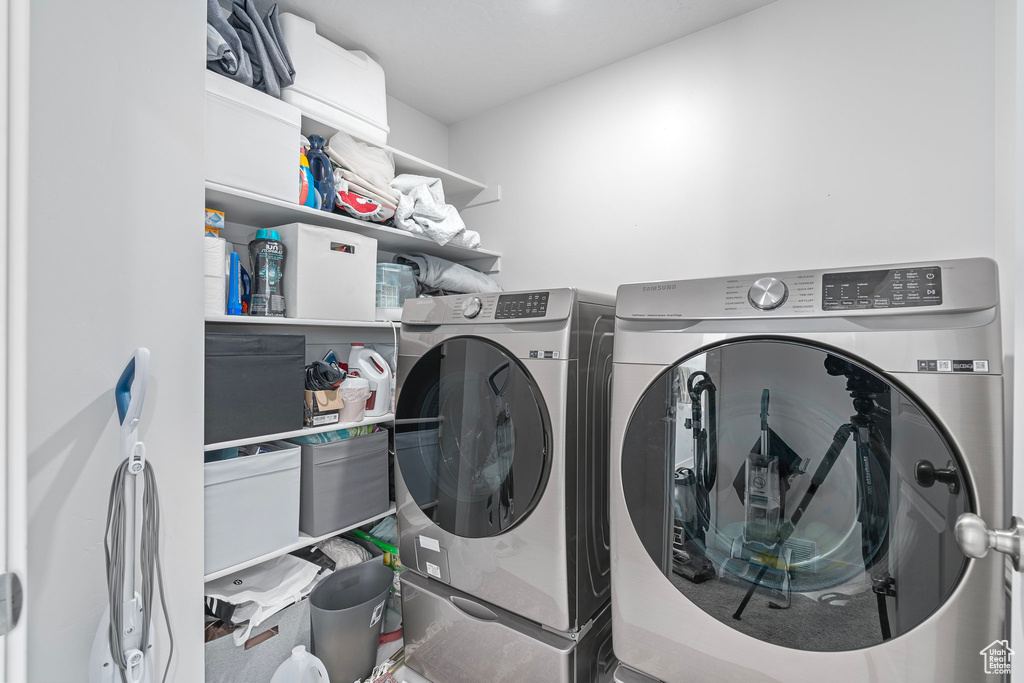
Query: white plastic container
[320, 281]
[251, 506]
[370, 365]
[354, 392]
[252, 140]
[301, 667]
[341, 88]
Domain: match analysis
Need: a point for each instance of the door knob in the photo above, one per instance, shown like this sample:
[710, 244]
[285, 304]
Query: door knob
[975, 539]
[926, 476]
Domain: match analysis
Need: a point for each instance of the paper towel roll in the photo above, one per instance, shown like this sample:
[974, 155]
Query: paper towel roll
[215, 280]
[216, 249]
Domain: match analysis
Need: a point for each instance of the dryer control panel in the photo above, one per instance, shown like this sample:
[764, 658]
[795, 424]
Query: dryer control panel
[914, 288]
[492, 307]
[896, 288]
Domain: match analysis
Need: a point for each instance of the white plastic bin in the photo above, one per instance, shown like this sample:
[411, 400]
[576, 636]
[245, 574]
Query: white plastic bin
[252, 140]
[251, 506]
[341, 88]
[322, 282]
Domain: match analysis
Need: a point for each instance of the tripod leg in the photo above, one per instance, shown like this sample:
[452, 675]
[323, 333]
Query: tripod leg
[738, 614]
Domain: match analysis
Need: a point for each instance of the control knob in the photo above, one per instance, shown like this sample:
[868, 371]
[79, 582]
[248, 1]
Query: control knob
[472, 307]
[767, 294]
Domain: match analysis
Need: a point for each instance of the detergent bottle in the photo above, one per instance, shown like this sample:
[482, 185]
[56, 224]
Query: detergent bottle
[371, 366]
[323, 172]
[301, 667]
[307, 186]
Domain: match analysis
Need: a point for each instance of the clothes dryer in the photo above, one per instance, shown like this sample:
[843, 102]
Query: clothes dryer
[794, 459]
[502, 459]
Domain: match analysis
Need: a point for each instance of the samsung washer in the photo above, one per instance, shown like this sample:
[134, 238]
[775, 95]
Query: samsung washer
[791, 454]
[502, 453]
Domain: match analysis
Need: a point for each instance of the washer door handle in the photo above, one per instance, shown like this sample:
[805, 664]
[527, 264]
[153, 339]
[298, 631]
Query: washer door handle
[976, 539]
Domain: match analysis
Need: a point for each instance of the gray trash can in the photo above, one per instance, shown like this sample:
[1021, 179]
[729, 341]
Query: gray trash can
[347, 610]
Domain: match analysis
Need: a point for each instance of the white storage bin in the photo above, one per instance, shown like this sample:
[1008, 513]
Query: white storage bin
[251, 505]
[323, 283]
[341, 88]
[252, 140]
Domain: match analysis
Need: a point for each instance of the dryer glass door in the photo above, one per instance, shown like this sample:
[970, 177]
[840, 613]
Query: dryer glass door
[472, 437]
[795, 495]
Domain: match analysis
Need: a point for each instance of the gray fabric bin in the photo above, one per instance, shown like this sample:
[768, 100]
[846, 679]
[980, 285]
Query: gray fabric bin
[343, 483]
[229, 663]
[251, 505]
[255, 385]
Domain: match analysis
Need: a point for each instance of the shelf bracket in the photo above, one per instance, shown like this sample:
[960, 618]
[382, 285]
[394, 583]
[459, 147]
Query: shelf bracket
[489, 196]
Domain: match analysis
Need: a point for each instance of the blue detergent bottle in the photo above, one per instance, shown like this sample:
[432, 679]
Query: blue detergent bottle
[323, 172]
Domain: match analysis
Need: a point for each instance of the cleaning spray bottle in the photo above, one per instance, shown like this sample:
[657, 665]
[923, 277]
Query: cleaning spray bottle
[371, 366]
[301, 667]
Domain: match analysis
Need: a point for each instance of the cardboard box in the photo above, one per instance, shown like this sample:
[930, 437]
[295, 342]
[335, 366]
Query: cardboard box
[214, 222]
[322, 407]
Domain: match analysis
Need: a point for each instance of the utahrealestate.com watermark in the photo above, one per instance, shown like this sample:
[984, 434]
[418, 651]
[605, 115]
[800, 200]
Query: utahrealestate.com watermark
[998, 658]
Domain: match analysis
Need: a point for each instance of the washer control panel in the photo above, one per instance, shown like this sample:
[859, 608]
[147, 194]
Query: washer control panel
[520, 305]
[873, 289]
[490, 307]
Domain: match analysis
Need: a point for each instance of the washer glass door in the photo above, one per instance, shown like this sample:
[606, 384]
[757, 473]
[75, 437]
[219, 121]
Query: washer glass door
[472, 437]
[795, 495]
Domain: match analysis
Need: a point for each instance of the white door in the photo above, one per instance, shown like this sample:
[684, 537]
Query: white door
[14, 138]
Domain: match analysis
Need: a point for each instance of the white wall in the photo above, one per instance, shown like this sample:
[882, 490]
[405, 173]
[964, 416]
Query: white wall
[802, 134]
[115, 262]
[415, 133]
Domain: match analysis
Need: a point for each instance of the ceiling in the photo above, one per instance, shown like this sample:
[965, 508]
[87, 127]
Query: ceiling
[453, 59]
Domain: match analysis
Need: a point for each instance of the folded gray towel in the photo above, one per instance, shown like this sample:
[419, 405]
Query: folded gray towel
[438, 276]
[273, 25]
[264, 77]
[229, 58]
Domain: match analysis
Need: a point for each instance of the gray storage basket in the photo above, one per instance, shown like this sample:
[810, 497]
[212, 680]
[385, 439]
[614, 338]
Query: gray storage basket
[251, 506]
[347, 612]
[343, 483]
[229, 663]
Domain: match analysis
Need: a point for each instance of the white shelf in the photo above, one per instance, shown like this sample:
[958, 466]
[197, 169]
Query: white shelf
[295, 322]
[259, 211]
[303, 542]
[305, 431]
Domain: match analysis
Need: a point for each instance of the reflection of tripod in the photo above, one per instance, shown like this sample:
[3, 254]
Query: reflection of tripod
[872, 483]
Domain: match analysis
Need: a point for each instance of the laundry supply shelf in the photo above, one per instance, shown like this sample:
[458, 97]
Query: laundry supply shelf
[259, 211]
[296, 322]
[305, 431]
[303, 542]
[458, 189]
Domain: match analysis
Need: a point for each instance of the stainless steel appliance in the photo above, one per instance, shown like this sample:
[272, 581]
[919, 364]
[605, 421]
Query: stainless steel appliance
[502, 451]
[791, 454]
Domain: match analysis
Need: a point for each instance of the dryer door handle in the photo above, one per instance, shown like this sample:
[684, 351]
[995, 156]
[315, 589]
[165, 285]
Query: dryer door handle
[473, 609]
[976, 539]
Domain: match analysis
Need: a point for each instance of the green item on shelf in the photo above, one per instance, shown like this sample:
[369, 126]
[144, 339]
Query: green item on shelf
[386, 547]
[337, 435]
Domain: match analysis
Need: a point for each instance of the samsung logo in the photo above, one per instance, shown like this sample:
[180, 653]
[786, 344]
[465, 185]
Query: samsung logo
[658, 288]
